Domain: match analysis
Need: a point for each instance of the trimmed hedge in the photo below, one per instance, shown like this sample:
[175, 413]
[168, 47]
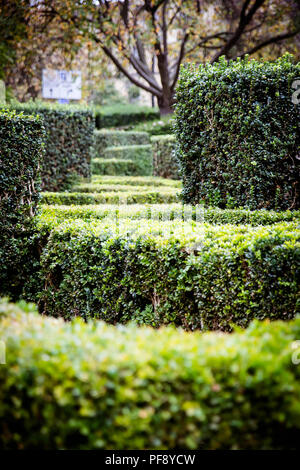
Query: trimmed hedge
[21, 149]
[113, 166]
[214, 215]
[238, 134]
[131, 160]
[134, 181]
[112, 138]
[138, 196]
[164, 212]
[123, 115]
[88, 386]
[193, 275]
[140, 154]
[70, 385]
[69, 138]
[164, 160]
[100, 188]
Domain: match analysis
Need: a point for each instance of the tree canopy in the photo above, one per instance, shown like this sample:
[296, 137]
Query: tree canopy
[147, 40]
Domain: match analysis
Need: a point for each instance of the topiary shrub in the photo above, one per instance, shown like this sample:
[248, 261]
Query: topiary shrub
[70, 385]
[21, 149]
[238, 134]
[69, 138]
[164, 160]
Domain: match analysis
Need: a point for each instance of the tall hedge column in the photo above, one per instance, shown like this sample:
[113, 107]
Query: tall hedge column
[238, 134]
[21, 147]
[68, 141]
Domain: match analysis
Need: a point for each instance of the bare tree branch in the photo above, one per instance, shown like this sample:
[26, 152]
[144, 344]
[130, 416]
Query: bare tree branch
[204, 40]
[245, 19]
[127, 74]
[139, 67]
[273, 40]
[179, 60]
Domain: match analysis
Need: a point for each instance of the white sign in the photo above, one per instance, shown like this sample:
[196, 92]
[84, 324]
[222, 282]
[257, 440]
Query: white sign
[60, 84]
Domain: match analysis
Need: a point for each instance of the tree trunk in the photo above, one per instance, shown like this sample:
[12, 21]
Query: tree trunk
[165, 103]
[166, 99]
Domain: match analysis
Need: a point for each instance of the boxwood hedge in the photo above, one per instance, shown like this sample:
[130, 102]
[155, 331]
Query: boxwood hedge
[113, 138]
[190, 274]
[148, 195]
[165, 212]
[131, 160]
[141, 155]
[92, 386]
[164, 161]
[123, 115]
[21, 150]
[114, 167]
[238, 134]
[135, 180]
[69, 138]
[116, 188]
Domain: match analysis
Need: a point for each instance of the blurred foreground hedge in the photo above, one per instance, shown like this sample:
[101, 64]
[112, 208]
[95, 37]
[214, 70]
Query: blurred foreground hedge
[86, 386]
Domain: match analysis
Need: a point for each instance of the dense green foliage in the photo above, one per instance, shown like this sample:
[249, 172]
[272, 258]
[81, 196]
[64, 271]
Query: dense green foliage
[69, 137]
[124, 250]
[190, 274]
[214, 215]
[13, 27]
[113, 138]
[113, 166]
[123, 115]
[87, 386]
[21, 149]
[165, 212]
[141, 155]
[127, 196]
[134, 160]
[134, 181]
[117, 188]
[164, 160]
[238, 134]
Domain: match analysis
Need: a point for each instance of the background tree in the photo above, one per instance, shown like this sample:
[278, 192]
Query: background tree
[146, 40]
[30, 42]
[14, 28]
[134, 33]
